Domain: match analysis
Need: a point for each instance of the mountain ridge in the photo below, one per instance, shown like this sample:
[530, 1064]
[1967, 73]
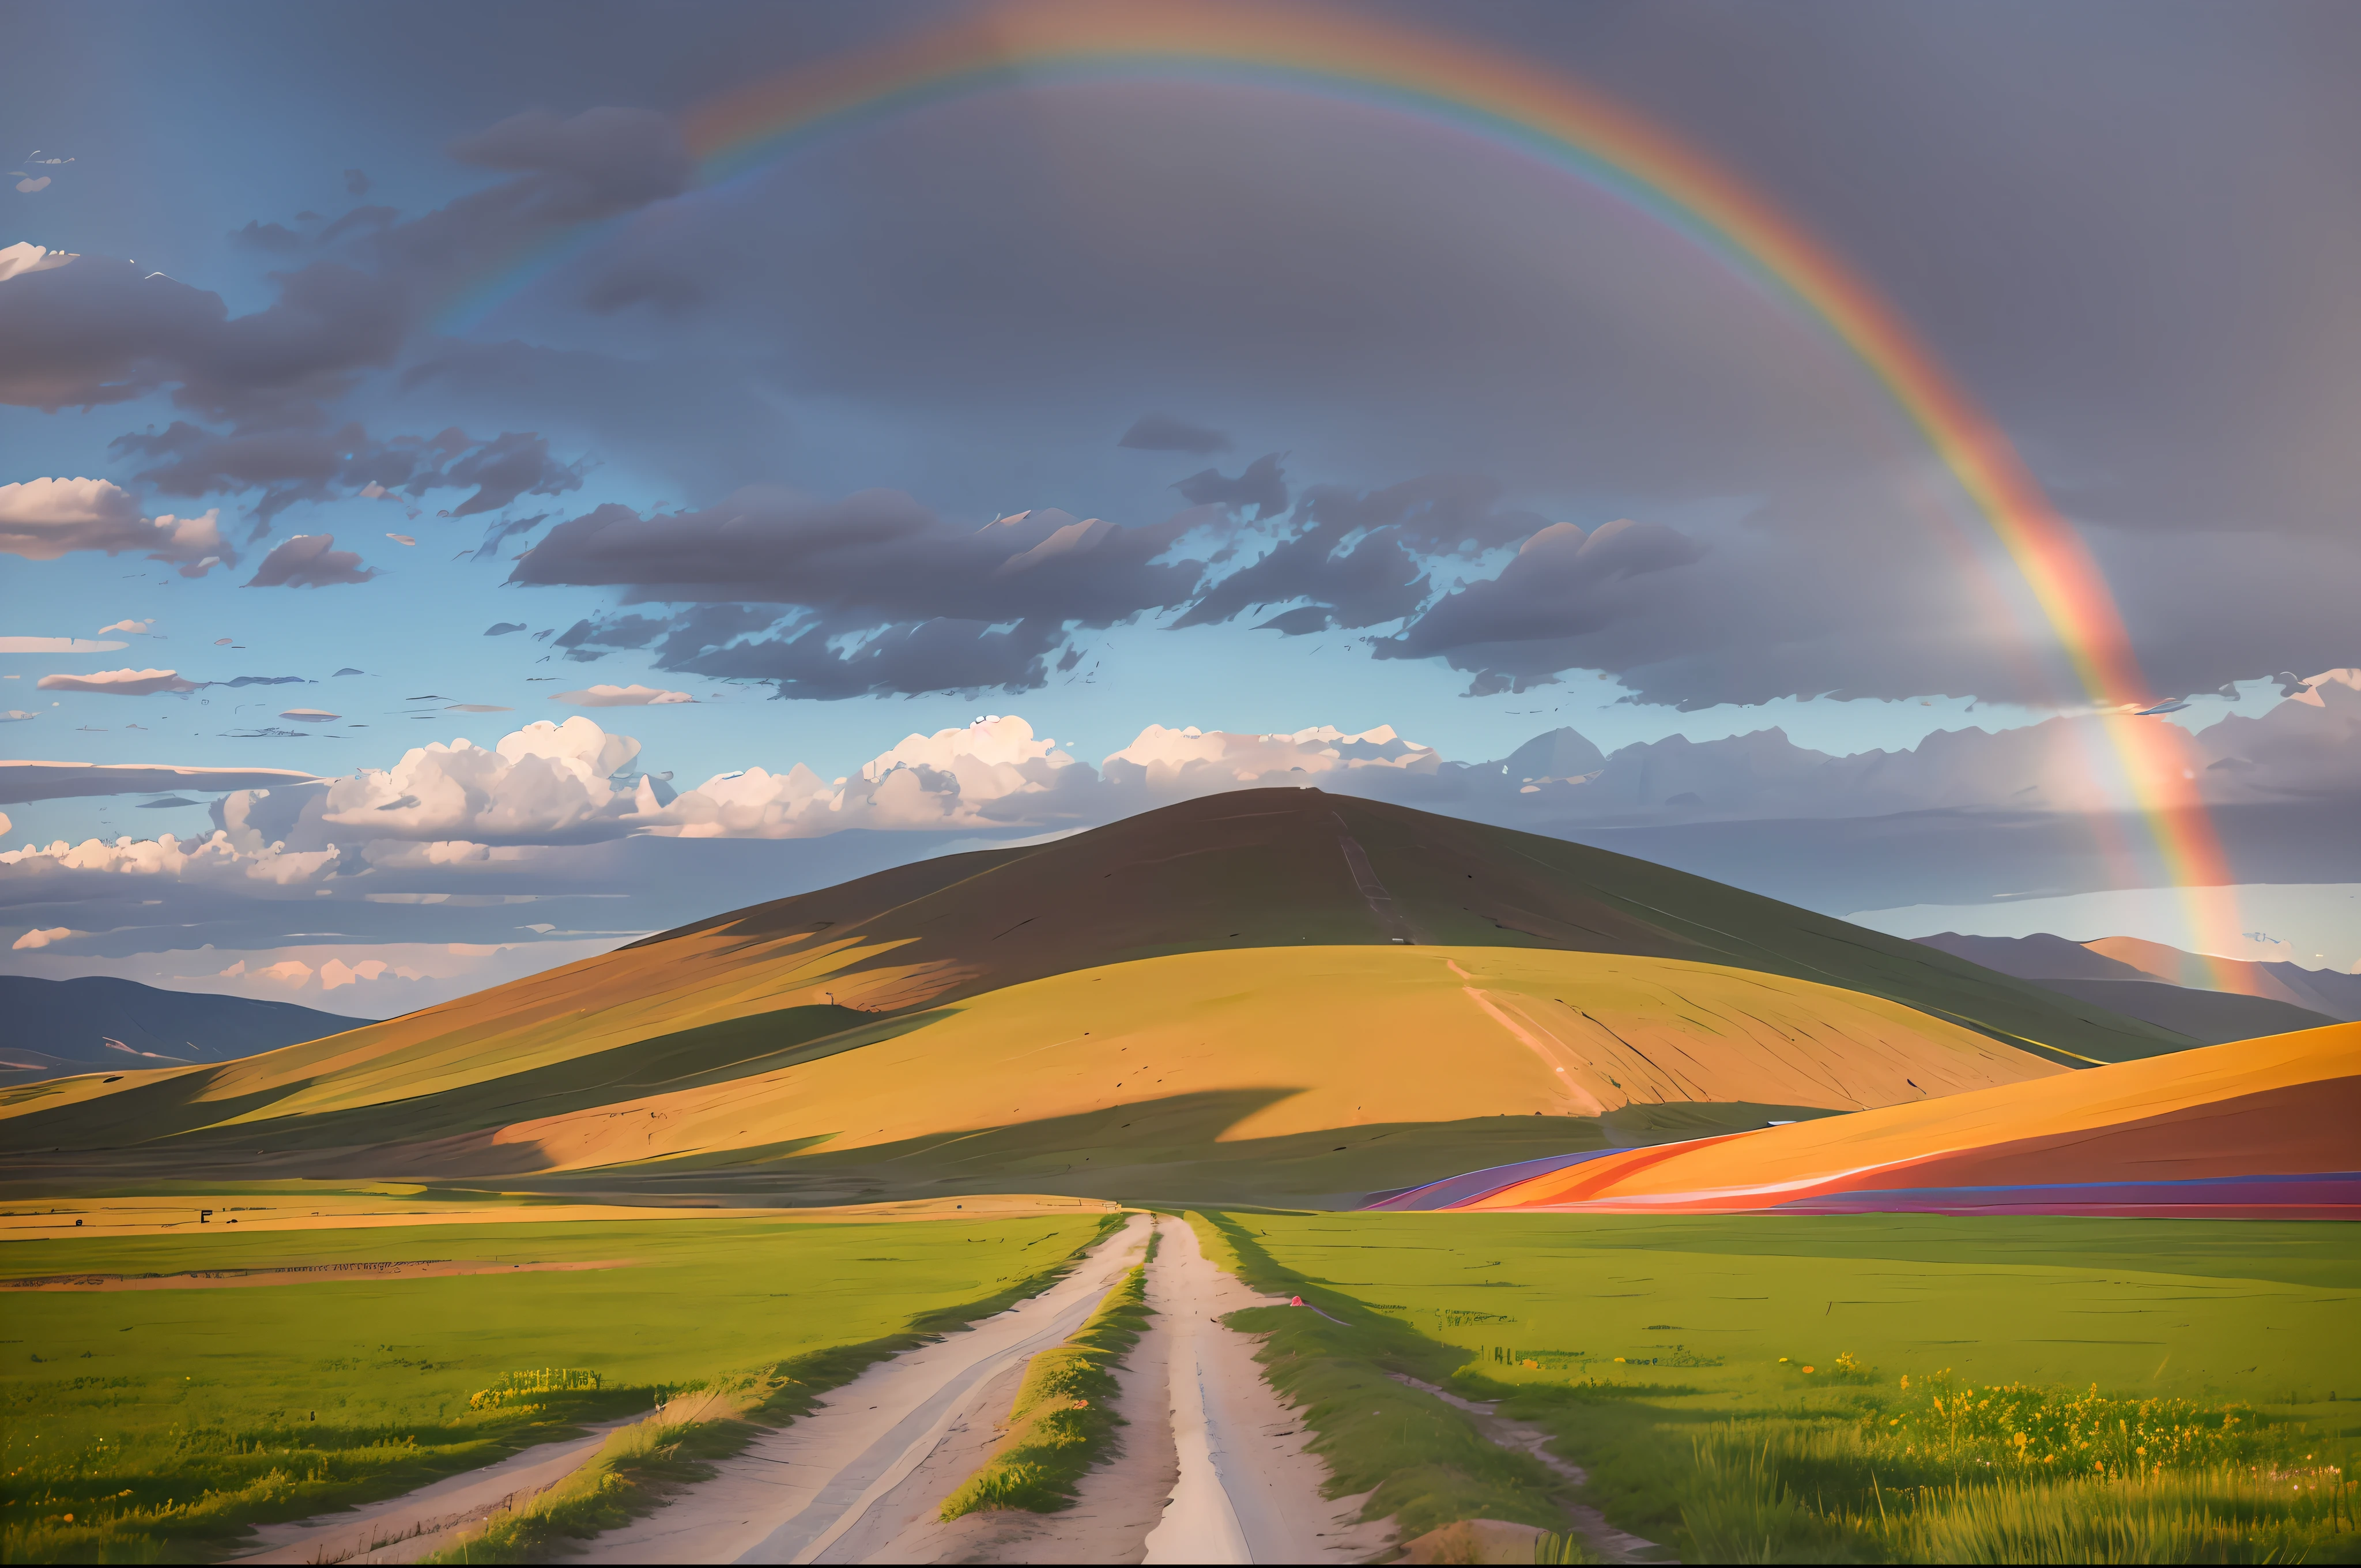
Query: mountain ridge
[104, 1024]
[2172, 988]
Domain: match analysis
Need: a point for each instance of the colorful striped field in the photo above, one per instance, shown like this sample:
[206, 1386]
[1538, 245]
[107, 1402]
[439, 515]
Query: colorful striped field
[2257, 1129]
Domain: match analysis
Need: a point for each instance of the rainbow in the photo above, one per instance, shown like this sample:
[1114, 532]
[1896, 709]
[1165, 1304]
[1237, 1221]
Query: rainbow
[1541, 116]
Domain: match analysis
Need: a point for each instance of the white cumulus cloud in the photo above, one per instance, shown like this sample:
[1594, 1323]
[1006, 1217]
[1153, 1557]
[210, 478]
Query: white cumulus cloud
[1164, 764]
[994, 773]
[547, 782]
[41, 519]
[24, 256]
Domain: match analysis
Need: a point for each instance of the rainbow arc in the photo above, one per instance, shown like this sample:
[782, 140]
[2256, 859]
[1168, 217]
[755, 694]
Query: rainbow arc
[1539, 115]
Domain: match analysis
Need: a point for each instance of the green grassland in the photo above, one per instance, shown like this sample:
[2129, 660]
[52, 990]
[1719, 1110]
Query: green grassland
[2186, 1390]
[165, 1421]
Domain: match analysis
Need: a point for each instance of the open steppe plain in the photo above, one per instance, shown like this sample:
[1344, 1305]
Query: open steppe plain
[1644, 1352]
[761, 1239]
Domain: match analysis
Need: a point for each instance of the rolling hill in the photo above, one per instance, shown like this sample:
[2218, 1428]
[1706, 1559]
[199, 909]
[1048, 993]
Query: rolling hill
[2259, 1128]
[1273, 992]
[100, 1023]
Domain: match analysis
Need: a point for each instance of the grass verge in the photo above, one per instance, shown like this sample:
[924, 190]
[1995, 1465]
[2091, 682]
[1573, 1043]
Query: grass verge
[1952, 1473]
[1063, 1421]
[1421, 1462]
[642, 1465]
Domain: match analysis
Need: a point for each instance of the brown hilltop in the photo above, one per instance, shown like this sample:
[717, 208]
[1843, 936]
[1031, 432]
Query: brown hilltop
[763, 998]
[1274, 868]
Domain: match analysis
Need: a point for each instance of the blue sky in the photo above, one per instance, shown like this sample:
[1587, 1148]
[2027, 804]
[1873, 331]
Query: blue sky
[1390, 358]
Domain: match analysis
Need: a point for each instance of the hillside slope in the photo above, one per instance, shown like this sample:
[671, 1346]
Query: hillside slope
[1302, 909]
[1324, 1037]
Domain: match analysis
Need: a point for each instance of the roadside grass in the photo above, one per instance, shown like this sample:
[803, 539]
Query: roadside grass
[1872, 1490]
[1062, 1422]
[1736, 1387]
[161, 1425]
[1420, 1460]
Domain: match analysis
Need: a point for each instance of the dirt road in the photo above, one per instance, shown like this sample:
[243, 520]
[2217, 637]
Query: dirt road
[405, 1529]
[1211, 1466]
[796, 1493]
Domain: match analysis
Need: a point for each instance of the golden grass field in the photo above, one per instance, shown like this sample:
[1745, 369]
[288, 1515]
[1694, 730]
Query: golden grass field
[1344, 1036]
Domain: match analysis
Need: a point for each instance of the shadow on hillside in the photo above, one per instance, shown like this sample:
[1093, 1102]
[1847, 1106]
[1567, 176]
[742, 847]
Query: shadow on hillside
[1167, 1150]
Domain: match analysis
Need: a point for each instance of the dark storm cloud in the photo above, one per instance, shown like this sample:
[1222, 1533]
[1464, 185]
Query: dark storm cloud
[98, 331]
[292, 465]
[501, 532]
[887, 597]
[596, 162]
[702, 421]
[1560, 586]
[1436, 513]
[2173, 357]
[620, 631]
[1371, 580]
[1361, 556]
[1164, 433]
[310, 561]
[2169, 359]
[939, 655]
[508, 465]
[1261, 485]
[871, 558]
[595, 165]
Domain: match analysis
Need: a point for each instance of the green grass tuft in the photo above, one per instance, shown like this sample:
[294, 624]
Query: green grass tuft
[1805, 1492]
[1423, 1461]
[1063, 1421]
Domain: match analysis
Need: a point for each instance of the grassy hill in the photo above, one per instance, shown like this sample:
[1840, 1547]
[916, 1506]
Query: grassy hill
[1254, 971]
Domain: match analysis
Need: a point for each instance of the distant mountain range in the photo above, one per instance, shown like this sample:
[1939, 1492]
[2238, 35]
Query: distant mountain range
[2213, 1000]
[98, 1023]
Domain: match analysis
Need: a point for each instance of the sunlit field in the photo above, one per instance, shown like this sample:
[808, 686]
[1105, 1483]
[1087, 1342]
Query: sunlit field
[1898, 1389]
[148, 1424]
